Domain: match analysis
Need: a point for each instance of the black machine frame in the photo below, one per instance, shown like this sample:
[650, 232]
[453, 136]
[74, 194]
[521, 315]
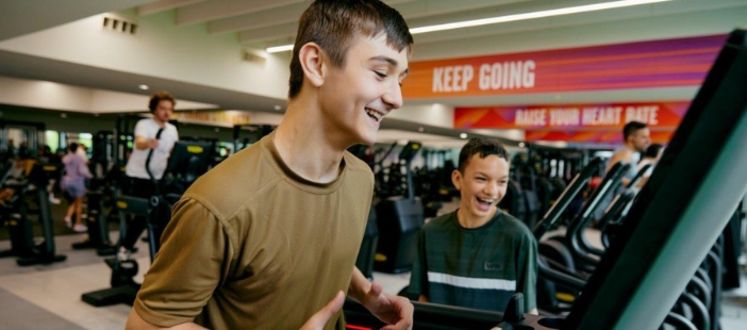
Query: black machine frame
[681, 211]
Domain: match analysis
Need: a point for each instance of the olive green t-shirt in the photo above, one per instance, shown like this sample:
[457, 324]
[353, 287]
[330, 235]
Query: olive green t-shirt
[252, 245]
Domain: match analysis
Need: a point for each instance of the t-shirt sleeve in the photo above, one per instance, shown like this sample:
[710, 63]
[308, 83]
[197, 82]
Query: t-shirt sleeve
[190, 264]
[141, 129]
[527, 271]
[419, 274]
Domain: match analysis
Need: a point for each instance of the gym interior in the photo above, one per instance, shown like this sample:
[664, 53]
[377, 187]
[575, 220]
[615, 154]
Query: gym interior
[622, 239]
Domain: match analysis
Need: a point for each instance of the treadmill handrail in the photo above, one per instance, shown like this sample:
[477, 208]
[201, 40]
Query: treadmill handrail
[574, 188]
[578, 245]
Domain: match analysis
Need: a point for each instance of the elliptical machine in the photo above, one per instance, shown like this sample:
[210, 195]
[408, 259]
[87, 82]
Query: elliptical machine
[102, 189]
[188, 160]
[19, 225]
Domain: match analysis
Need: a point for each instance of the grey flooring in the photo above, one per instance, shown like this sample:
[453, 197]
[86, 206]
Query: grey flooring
[48, 297]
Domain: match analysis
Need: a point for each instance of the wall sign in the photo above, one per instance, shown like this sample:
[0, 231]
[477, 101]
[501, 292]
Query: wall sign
[659, 63]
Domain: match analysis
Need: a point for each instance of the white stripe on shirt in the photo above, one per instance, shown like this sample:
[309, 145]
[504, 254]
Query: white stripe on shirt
[471, 282]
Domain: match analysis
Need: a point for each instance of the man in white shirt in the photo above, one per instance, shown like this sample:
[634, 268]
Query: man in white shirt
[154, 136]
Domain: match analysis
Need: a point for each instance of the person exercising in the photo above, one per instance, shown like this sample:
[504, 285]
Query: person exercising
[154, 134]
[268, 238]
[477, 256]
[636, 137]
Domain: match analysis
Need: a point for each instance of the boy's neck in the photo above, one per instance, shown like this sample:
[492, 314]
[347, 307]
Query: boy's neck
[304, 143]
[466, 220]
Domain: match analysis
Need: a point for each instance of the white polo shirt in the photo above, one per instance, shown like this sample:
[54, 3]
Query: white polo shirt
[148, 128]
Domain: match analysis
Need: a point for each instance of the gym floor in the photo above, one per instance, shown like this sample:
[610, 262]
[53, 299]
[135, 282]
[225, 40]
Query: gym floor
[48, 297]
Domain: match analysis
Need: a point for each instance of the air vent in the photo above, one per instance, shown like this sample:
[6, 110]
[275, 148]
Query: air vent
[251, 56]
[119, 25]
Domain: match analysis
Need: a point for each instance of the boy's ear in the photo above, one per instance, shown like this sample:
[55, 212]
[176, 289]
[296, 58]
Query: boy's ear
[456, 179]
[312, 61]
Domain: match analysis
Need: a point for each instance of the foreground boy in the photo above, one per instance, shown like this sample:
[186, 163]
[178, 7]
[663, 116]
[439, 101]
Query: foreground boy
[268, 239]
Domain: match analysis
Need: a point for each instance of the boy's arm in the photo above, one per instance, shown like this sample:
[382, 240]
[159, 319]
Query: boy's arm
[194, 248]
[386, 307]
[135, 322]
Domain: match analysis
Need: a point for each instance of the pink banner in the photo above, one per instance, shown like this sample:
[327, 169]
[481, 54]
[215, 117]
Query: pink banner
[659, 63]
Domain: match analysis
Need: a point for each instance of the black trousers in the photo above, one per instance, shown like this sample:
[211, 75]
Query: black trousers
[136, 224]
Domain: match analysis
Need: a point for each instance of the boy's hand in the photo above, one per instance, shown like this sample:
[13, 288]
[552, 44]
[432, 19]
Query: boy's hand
[320, 318]
[393, 310]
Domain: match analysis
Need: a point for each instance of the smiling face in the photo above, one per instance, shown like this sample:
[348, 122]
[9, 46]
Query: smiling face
[482, 184]
[357, 95]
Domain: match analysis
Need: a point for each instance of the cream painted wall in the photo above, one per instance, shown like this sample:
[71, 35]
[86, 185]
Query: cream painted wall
[55, 96]
[44, 94]
[433, 114]
[103, 101]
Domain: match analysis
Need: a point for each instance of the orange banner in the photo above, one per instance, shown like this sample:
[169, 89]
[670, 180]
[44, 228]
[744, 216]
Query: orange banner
[659, 63]
[577, 122]
[578, 116]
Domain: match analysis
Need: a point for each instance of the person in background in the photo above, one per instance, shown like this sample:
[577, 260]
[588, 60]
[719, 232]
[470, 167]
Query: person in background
[650, 156]
[636, 138]
[154, 135]
[83, 151]
[74, 185]
[477, 256]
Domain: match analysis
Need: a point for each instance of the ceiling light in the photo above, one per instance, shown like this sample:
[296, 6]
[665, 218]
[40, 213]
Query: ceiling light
[522, 145]
[510, 18]
[278, 49]
[277, 107]
[143, 87]
[532, 15]
[463, 135]
[420, 129]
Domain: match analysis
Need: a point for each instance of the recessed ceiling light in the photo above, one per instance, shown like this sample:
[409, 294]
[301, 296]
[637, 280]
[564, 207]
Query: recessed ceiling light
[278, 107]
[143, 87]
[420, 129]
[532, 15]
[510, 18]
[463, 135]
[278, 49]
[522, 145]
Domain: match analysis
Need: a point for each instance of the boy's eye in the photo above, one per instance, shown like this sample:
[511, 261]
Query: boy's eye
[380, 74]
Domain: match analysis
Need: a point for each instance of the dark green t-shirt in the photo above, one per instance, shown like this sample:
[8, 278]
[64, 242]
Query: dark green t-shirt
[475, 267]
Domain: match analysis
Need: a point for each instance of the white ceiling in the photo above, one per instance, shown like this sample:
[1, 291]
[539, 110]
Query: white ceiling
[262, 23]
[20, 17]
[256, 24]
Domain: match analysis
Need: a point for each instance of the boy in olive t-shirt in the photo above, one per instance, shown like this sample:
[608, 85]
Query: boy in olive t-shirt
[268, 239]
[477, 256]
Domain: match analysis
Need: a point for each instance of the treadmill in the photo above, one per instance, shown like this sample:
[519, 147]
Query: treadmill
[672, 225]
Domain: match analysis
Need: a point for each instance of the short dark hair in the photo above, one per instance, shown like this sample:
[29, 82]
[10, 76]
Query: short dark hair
[653, 150]
[331, 24]
[631, 127]
[158, 97]
[72, 147]
[482, 146]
